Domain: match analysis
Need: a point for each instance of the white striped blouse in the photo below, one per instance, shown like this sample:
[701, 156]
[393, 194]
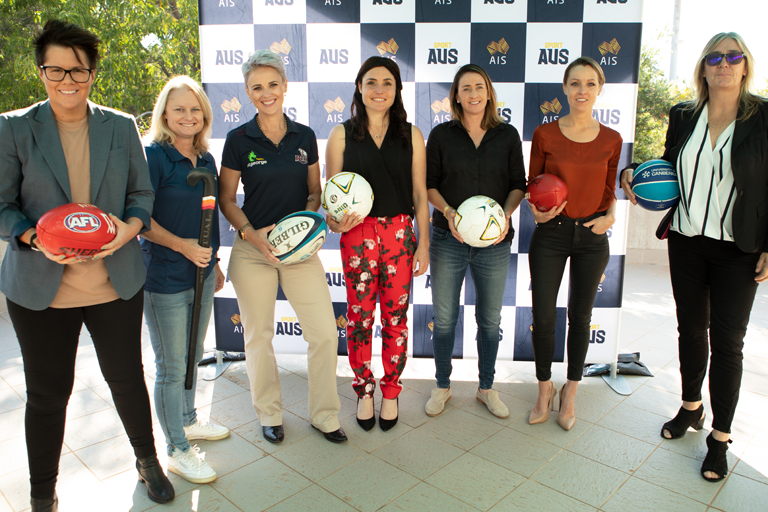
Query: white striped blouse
[707, 189]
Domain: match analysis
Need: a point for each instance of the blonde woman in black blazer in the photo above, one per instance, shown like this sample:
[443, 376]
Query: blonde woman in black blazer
[718, 234]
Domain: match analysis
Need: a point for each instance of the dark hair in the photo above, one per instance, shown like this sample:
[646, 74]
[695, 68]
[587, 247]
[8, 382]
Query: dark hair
[491, 117]
[397, 115]
[68, 35]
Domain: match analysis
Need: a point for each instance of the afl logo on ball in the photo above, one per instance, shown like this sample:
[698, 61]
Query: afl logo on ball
[82, 222]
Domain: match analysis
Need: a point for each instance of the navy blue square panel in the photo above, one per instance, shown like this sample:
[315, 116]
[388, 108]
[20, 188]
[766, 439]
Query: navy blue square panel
[611, 287]
[624, 160]
[510, 289]
[396, 41]
[544, 103]
[290, 43]
[526, 228]
[524, 334]
[329, 105]
[423, 326]
[490, 44]
[227, 233]
[340, 315]
[616, 47]
[229, 327]
[226, 12]
[231, 107]
[333, 11]
[554, 11]
[443, 11]
[432, 105]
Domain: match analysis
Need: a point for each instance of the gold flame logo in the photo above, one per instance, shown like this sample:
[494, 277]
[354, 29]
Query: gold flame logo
[337, 105]
[431, 326]
[281, 47]
[232, 105]
[235, 319]
[555, 107]
[341, 322]
[444, 106]
[390, 46]
[612, 47]
[500, 47]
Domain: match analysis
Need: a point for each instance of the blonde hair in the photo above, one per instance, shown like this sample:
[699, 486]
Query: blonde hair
[491, 117]
[160, 132]
[748, 101]
[263, 59]
[586, 62]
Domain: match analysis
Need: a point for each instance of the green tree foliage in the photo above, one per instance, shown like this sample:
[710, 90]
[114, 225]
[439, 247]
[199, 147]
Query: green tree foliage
[145, 42]
[655, 96]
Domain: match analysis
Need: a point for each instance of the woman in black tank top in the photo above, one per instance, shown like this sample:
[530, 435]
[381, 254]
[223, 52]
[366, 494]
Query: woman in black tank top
[379, 252]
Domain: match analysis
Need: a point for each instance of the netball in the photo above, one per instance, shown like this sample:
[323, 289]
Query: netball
[347, 192]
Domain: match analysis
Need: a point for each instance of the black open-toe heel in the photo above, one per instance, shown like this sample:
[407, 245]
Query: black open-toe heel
[678, 425]
[366, 424]
[716, 460]
[388, 424]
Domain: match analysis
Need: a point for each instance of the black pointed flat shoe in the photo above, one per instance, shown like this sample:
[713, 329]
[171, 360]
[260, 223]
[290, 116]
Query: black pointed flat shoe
[274, 434]
[367, 424]
[678, 426]
[337, 436]
[388, 424]
[159, 488]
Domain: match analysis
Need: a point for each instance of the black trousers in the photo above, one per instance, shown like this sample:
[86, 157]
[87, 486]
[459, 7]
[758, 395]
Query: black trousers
[714, 287]
[552, 244]
[48, 341]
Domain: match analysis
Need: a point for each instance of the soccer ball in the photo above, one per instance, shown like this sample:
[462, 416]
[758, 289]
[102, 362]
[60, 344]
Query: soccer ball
[347, 192]
[480, 221]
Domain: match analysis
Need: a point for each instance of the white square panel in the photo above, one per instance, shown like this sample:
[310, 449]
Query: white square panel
[441, 49]
[279, 12]
[616, 108]
[550, 47]
[499, 11]
[223, 50]
[598, 11]
[333, 52]
[388, 11]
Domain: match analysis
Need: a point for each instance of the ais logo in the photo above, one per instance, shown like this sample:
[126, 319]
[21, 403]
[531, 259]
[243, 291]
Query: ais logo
[606, 115]
[334, 106]
[442, 53]
[442, 110]
[609, 48]
[288, 326]
[504, 112]
[501, 47]
[596, 335]
[600, 286]
[281, 47]
[229, 57]
[390, 47]
[551, 110]
[341, 325]
[553, 53]
[387, 2]
[238, 325]
[231, 110]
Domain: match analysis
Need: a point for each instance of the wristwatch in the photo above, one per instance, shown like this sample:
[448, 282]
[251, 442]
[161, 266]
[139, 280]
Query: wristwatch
[242, 230]
[32, 242]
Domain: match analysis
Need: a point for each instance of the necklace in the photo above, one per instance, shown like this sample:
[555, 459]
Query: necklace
[285, 130]
[383, 130]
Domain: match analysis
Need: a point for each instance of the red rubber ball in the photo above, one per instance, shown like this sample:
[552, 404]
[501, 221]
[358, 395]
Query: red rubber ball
[546, 191]
[75, 230]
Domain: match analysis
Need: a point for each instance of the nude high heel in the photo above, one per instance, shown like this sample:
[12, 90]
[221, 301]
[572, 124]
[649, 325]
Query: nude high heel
[535, 419]
[566, 423]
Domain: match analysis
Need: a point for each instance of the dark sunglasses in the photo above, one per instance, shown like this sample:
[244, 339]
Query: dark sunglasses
[713, 59]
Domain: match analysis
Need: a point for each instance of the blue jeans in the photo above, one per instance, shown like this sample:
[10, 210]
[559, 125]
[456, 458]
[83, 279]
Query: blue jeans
[448, 265]
[168, 317]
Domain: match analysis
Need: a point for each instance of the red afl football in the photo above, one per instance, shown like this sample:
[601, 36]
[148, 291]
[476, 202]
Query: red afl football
[546, 191]
[75, 230]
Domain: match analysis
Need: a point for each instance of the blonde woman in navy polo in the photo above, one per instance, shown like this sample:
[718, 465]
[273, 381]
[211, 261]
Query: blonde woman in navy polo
[277, 161]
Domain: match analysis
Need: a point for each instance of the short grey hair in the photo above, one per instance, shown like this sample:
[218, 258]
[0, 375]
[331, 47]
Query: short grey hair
[264, 59]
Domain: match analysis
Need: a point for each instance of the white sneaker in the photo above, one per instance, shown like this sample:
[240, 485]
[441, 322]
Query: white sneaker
[205, 432]
[494, 404]
[436, 403]
[191, 466]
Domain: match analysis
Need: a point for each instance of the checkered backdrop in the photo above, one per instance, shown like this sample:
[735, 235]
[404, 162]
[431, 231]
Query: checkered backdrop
[524, 45]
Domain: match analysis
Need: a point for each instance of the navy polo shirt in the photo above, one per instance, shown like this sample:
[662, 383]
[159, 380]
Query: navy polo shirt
[178, 209]
[274, 177]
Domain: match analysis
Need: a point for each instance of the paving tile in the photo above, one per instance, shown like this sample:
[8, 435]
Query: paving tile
[130, 494]
[640, 496]
[4, 505]
[295, 429]
[694, 445]
[612, 449]
[517, 408]
[411, 408]
[374, 438]
[741, 494]
[14, 455]
[8, 342]
[516, 451]
[677, 473]
[580, 478]
[203, 499]
[753, 464]
[460, 428]
[475, 481]
[597, 386]
[228, 454]
[260, 484]
[9, 358]
[550, 431]
[417, 453]
[312, 499]
[10, 401]
[108, 458]
[347, 408]
[234, 411]
[426, 498]
[210, 391]
[91, 498]
[12, 424]
[366, 496]
[315, 457]
[83, 403]
[590, 407]
[522, 385]
[534, 497]
[93, 428]
[634, 422]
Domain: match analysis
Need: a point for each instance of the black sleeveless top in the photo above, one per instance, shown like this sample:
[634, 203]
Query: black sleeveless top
[387, 169]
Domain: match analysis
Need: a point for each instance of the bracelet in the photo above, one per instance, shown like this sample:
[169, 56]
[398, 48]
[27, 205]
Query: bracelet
[445, 210]
[32, 242]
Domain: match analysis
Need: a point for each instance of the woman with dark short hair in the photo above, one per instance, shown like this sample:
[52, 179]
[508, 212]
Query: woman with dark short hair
[59, 151]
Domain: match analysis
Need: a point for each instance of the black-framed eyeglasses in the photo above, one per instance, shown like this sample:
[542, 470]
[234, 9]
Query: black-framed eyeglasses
[713, 59]
[57, 74]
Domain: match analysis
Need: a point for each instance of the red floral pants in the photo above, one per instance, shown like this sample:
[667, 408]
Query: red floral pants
[378, 257]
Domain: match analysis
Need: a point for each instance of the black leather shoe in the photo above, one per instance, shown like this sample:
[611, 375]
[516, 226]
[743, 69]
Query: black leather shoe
[388, 424]
[159, 488]
[45, 504]
[367, 424]
[337, 436]
[273, 434]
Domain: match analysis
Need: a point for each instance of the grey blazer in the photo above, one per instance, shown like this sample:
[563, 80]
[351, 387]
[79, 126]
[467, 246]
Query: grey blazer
[34, 179]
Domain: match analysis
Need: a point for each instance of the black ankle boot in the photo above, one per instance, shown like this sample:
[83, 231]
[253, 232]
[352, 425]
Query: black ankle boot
[716, 460]
[159, 488]
[45, 504]
[678, 426]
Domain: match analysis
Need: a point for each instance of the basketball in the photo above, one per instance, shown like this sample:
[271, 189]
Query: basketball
[480, 221]
[655, 185]
[546, 191]
[347, 192]
[75, 230]
[298, 236]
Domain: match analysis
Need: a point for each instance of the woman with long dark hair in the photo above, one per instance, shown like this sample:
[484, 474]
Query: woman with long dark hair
[379, 252]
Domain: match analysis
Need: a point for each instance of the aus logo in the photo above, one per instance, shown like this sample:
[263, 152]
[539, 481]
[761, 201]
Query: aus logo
[596, 334]
[288, 326]
[229, 57]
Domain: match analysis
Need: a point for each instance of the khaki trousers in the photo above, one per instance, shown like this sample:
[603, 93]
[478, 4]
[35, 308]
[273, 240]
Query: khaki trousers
[255, 280]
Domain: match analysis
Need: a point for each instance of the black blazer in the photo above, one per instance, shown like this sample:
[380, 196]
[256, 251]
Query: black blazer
[749, 162]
